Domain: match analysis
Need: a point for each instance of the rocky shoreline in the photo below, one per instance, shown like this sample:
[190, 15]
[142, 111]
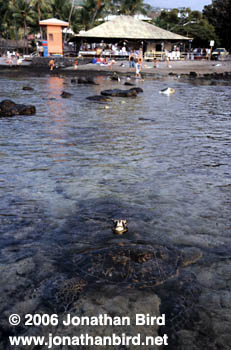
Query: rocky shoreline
[181, 69]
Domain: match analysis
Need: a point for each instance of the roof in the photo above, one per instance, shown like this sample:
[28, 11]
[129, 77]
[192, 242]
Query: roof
[128, 27]
[140, 17]
[54, 22]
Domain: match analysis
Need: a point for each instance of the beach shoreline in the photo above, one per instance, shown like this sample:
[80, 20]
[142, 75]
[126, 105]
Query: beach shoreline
[196, 69]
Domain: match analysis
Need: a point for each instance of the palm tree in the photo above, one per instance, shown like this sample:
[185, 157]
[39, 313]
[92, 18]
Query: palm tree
[61, 9]
[43, 7]
[131, 7]
[90, 11]
[23, 14]
[4, 6]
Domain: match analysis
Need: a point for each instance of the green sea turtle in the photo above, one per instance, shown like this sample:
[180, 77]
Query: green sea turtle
[127, 264]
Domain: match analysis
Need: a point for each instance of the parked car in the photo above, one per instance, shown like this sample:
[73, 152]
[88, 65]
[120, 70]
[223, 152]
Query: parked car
[29, 57]
[220, 52]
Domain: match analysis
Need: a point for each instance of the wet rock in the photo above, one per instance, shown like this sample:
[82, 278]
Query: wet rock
[193, 74]
[129, 84]
[137, 89]
[9, 108]
[86, 80]
[99, 98]
[27, 88]
[119, 93]
[65, 94]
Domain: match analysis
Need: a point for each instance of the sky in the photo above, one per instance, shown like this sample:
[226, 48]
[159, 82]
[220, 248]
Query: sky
[193, 4]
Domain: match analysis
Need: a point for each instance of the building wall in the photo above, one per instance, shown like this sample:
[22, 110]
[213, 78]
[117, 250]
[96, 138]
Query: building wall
[54, 40]
[156, 45]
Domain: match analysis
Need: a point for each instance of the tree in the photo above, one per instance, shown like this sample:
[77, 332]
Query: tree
[131, 7]
[89, 13]
[4, 6]
[42, 7]
[167, 20]
[201, 32]
[23, 14]
[61, 9]
[188, 23]
[219, 14]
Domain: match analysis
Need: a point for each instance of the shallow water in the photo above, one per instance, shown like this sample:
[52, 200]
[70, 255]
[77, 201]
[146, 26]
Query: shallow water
[162, 162]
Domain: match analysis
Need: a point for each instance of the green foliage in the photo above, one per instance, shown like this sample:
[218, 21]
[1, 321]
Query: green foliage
[188, 23]
[131, 7]
[4, 6]
[23, 14]
[219, 14]
[91, 10]
[42, 8]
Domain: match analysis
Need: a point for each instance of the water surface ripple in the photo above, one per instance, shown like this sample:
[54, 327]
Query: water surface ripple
[161, 162]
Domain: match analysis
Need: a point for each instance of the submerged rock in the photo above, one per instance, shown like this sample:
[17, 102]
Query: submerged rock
[27, 88]
[137, 89]
[99, 98]
[86, 80]
[9, 108]
[129, 84]
[65, 94]
[119, 93]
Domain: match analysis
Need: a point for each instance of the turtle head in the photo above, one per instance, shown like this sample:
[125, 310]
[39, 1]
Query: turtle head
[119, 226]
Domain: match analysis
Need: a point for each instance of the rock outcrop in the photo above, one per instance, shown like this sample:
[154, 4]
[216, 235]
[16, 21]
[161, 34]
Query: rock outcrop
[9, 108]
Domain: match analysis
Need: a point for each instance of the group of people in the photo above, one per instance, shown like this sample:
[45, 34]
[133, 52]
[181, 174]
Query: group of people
[103, 61]
[13, 59]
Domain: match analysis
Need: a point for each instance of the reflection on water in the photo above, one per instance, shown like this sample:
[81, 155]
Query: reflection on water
[161, 162]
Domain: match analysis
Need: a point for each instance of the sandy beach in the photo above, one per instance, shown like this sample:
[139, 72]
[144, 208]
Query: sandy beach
[200, 69]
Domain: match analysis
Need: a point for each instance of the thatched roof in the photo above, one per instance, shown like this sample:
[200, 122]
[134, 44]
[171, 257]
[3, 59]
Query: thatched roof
[128, 27]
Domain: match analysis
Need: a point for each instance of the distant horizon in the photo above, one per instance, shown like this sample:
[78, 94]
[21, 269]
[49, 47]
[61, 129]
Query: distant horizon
[193, 5]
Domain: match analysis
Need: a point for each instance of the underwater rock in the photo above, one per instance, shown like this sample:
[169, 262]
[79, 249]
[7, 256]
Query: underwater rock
[129, 84]
[119, 93]
[27, 88]
[86, 80]
[137, 89]
[65, 94]
[99, 98]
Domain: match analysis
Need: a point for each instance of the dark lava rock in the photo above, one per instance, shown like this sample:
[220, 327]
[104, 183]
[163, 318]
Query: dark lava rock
[119, 93]
[99, 98]
[86, 80]
[129, 84]
[137, 89]
[65, 94]
[27, 88]
[9, 108]
[193, 74]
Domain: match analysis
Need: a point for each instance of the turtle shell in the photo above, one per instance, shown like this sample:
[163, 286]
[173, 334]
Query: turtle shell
[139, 266]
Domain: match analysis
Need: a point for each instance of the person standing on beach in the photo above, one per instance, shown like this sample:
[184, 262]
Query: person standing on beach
[51, 64]
[131, 59]
[140, 59]
[137, 68]
[155, 62]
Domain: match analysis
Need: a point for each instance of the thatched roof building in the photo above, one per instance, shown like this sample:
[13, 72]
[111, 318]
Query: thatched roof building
[130, 29]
